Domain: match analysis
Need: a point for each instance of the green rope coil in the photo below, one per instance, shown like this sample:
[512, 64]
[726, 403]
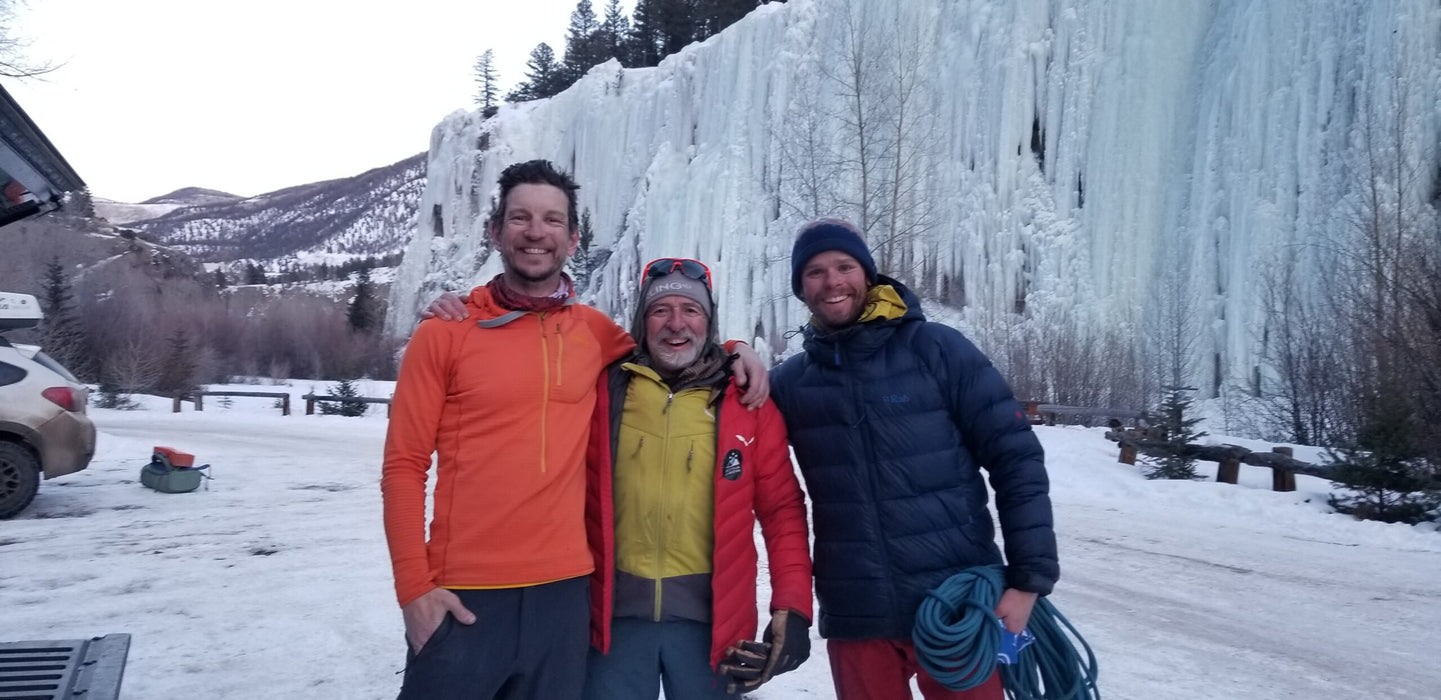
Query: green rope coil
[957, 640]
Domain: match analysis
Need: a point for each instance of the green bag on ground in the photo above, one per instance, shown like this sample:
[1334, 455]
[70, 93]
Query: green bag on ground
[170, 471]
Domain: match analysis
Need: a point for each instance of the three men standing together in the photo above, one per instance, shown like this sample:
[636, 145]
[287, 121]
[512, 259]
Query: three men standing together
[891, 418]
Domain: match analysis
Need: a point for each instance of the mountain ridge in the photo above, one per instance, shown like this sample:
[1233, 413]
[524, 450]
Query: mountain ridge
[371, 214]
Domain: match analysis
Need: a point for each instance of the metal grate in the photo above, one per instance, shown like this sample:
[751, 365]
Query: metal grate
[75, 668]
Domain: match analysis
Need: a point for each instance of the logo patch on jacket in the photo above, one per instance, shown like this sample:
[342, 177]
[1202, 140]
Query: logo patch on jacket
[731, 467]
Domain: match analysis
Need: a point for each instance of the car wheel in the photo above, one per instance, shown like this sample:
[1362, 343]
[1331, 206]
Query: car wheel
[19, 478]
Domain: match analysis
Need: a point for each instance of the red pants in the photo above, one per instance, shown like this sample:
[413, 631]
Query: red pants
[881, 669]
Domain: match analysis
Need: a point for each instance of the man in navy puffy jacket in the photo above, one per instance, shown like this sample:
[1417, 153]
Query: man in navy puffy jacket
[892, 418]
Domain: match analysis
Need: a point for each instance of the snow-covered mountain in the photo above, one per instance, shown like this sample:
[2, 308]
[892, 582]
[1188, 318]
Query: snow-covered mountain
[155, 207]
[371, 214]
[1055, 168]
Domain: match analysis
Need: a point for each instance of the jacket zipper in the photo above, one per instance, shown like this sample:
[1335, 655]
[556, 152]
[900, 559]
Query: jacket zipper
[544, 389]
[559, 355]
[660, 523]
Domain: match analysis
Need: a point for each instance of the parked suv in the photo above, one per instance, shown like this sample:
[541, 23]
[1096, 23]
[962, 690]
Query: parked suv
[44, 431]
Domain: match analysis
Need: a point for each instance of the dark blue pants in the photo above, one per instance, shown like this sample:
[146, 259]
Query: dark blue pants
[645, 654]
[526, 644]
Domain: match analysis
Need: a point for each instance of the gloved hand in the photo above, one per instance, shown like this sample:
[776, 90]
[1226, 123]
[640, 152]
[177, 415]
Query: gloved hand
[786, 644]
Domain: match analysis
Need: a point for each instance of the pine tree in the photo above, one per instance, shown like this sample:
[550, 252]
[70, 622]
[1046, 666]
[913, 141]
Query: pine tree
[219, 277]
[715, 15]
[542, 75]
[254, 274]
[582, 264]
[487, 82]
[582, 45]
[678, 22]
[1180, 432]
[1385, 468]
[362, 314]
[644, 43]
[344, 388]
[614, 30]
[177, 374]
[63, 336]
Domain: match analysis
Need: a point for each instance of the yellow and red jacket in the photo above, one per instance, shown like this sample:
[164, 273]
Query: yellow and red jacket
[754, 480]
[505, 402]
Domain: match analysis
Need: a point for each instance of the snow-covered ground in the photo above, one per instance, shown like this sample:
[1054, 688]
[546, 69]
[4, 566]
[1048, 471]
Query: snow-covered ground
[273, 581]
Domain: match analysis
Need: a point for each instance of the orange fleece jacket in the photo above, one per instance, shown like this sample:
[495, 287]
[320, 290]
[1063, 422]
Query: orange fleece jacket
[507, 409]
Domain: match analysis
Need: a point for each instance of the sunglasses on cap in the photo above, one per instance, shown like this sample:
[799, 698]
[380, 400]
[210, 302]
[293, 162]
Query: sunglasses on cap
[661, 267]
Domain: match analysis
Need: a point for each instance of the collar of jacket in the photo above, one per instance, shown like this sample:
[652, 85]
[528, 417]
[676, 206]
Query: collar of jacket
[716, 378]
[888, 304]
[509, 316]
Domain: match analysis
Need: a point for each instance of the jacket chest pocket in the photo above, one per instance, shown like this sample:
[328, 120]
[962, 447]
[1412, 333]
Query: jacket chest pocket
[572, 362]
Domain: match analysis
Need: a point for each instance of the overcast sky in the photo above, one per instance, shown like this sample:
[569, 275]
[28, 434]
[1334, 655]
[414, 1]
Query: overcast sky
[155, 95]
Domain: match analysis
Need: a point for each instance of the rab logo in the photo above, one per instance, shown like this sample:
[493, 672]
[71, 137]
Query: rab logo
[746, 441]
[731, 467]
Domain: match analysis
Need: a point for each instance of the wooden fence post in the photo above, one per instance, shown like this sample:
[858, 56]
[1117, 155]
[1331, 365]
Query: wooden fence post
[310, 404]
[200, 402]
[1229, 470]
[285, 405]
[1283, 480]
[1128, 453]
[175, 407]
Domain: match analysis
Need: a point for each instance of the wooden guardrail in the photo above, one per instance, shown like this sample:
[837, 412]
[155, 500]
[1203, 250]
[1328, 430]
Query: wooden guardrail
[1048, 413]
[1284, 467]
[198, 397]
[310, 400]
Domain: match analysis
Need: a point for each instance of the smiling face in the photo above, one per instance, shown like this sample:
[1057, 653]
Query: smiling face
[675, 332]
[833, 285]
[535, 237]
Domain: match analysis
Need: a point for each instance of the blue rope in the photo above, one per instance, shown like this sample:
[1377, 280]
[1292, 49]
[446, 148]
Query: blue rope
[957, 640]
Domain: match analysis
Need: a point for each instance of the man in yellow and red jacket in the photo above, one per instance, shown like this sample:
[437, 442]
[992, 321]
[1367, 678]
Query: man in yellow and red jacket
[678, 474]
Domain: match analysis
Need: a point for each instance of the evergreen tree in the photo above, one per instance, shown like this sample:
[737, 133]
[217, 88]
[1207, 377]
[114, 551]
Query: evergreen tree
[678, 22]
[111, 396]
[177, 374]
[362, 313]
[254, 274]
[582, 44]
[1180, 432]
[487, 82]
[614, 30]
[542, 75]
[220, 281]
[63, 336]
[582, 264]
[716, 15]
[1385, 468]
[644, 44]
[344, 388]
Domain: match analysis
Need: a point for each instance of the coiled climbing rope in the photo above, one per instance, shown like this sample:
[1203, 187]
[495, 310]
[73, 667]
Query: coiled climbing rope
[957, 640]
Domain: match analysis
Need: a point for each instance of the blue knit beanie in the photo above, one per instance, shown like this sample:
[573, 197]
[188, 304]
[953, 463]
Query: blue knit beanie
[822, 235]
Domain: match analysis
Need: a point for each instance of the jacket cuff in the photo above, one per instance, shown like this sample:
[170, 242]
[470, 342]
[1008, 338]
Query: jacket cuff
[1028, 581]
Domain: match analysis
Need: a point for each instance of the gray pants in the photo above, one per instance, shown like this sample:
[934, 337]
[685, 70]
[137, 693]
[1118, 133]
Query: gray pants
[526, 644]
[644, 655]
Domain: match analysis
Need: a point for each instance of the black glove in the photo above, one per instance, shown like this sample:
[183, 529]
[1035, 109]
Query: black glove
[787, 643]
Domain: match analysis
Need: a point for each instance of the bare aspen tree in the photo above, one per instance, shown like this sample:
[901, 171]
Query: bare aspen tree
[908, 209]
[857, 77]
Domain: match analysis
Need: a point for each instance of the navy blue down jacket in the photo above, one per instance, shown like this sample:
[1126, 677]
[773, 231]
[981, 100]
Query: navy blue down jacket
[891, 420]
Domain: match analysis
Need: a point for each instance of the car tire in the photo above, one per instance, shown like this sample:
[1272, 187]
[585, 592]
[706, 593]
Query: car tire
[19, 478]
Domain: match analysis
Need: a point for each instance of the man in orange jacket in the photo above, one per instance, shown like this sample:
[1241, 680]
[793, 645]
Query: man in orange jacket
[495, 603]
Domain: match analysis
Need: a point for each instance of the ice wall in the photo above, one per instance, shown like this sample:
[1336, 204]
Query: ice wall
[1070, 161]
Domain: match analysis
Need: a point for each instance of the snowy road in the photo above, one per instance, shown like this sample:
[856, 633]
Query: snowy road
[274, 582]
